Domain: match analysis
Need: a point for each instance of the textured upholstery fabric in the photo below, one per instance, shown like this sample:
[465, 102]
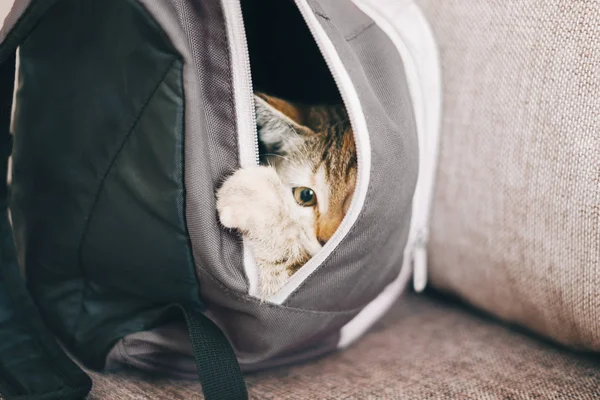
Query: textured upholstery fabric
[423, 349]
[516, 219]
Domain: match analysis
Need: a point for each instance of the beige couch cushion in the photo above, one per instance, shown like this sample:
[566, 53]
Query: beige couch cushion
[516, 219]
[423, 349]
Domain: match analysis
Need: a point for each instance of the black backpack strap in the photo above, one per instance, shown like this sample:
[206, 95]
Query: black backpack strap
[32, 363]
[218, 368]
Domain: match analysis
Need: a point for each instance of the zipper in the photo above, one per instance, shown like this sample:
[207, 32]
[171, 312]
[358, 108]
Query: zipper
[244, 111]
[419, 53]
[363, 151]
[242, 84]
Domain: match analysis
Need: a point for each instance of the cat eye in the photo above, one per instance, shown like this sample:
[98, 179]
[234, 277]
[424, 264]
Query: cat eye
[304, 196]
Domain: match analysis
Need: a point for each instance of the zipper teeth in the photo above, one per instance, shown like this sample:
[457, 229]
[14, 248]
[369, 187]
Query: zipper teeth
[248, 82]
[247, 116]
[356, 205]
[250, 89]
[248, 149]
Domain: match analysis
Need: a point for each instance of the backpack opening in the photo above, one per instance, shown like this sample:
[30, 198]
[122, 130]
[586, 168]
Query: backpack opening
[284, 57]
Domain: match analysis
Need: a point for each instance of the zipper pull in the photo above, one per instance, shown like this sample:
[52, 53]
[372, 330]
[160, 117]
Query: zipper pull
[419, 259]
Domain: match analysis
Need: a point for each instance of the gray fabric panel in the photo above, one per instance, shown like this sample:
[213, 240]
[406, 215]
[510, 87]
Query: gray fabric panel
[370, 257]
[18, 8]
[197, 30]
[261, 335]
[261, 331]
[167, 352]
[349, 20]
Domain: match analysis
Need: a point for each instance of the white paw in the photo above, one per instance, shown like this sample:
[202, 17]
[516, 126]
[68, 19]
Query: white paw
[250, 197]
[271, 281]
[228, 216]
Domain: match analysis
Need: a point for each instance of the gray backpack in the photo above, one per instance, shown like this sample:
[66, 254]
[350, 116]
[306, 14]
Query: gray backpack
[127, 115]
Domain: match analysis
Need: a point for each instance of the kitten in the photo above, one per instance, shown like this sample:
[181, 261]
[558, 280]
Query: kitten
[292, 204]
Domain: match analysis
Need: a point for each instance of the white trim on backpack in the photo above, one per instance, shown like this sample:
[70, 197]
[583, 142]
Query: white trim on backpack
[407, 27]
[245, 115]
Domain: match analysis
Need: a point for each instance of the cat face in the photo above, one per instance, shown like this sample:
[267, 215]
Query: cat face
[313, 151]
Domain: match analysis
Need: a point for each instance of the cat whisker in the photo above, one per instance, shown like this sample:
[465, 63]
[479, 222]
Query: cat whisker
[276, 155]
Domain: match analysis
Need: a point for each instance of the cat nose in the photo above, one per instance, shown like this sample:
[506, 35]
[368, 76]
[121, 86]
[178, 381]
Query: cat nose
[327, 227]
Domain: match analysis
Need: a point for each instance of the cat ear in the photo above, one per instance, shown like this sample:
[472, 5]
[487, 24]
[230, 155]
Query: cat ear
[279, 123]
